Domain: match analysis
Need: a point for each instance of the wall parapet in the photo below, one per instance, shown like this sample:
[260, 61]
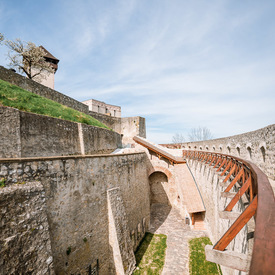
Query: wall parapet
[256, 146]
[27, 135]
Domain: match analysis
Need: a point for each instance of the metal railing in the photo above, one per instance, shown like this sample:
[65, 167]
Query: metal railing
[254, 184]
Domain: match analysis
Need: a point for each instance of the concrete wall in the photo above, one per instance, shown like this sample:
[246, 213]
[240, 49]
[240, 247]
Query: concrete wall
[39, 89]
[210, 187]
[28, 135]
[257, 146]
[77, 208]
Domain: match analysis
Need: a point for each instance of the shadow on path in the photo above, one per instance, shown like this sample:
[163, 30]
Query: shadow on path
[159, 213]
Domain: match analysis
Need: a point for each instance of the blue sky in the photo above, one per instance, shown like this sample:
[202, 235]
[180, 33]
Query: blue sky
[180, 64]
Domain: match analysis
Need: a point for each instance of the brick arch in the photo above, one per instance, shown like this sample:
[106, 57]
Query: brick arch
[161, 169]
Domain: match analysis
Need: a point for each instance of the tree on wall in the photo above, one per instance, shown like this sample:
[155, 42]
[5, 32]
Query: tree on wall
[1, 38]
[178, 138]
[196, 134]
[28, 58]
[200, 133]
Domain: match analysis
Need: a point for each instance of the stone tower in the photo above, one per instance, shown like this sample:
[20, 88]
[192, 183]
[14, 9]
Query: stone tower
[47, 79]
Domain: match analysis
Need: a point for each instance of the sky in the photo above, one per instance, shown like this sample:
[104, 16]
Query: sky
[180, 64]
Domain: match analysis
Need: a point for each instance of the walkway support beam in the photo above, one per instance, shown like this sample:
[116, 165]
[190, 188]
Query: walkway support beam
[254, 184]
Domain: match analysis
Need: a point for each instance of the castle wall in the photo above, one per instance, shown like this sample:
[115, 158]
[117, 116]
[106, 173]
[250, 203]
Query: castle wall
[257, 146]
[28, 135]
[132, 126]
[39, 89]
[210, 189]
[24, 240]
[77, 208]
[128, 127]
[112, 122]
[103, 108]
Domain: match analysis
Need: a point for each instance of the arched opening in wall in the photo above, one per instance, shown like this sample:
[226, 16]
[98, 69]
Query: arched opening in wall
[263, 152]
[160, 204]
[238, 151]
[229, 150]
[158, 184]
[249, 152]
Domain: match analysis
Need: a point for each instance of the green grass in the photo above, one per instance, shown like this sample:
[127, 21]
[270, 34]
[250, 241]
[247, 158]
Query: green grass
[16, 97]
[197, 263]
[2, 183]
[150, 255]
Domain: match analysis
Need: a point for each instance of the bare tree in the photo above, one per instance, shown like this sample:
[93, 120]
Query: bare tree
[178, 138]
[28, 58]
[1, 38]
[200, 133]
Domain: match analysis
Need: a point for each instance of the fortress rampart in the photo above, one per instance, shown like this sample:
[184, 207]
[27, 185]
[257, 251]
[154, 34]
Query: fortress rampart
[39, 89]
[256, 146]
[26, 134]
[57, 209]
[70, 205]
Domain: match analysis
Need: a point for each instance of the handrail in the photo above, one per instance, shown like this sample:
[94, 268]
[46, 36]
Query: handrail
[160, 153]
[255, 184]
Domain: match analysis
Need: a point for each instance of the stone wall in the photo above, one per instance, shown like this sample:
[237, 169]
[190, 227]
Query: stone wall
[210, 187]
[257, 146]
[112, 122]
[128, 127]
[103, 108]
[132, 126]
[28, 135]
[24, 241]
[77, 206]
[39, 89]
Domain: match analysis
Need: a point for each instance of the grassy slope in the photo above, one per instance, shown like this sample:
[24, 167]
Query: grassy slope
[150, 255]
[13, 96]
[197, 263]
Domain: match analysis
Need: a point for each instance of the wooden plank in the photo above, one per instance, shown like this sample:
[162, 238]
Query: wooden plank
[213, 159]
[230, 173]
[232, 183]
[218, 161]
[224, 161]
[235, 228]
[227, 167]
[239, 194]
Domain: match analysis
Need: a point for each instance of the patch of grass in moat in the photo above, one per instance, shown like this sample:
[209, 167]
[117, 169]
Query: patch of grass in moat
[150, 255]
[16, 97]
[197, 262]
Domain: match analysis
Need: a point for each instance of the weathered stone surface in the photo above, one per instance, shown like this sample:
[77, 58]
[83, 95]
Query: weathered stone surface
[28, 135]
[227, 258]
[132, 126]
[111, 121]
[119, 234]
[76, 199]
[256, 146]
[24, 240]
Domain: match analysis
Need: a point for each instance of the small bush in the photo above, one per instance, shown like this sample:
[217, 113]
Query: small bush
[2, 183]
